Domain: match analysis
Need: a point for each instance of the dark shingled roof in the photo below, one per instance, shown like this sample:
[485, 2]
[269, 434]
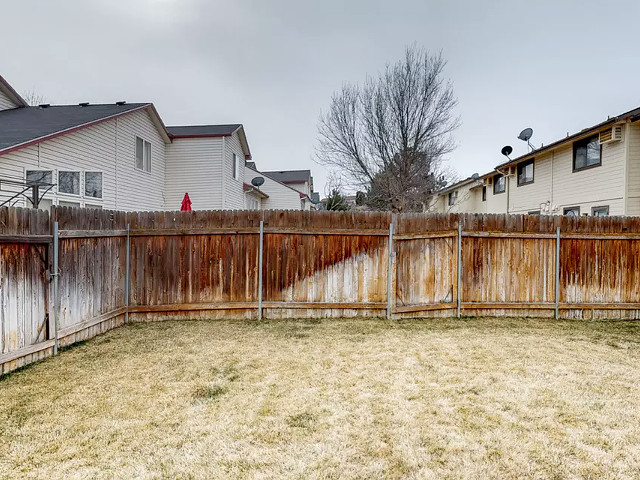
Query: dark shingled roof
[203, 130]
[290, 176]
[26, 124]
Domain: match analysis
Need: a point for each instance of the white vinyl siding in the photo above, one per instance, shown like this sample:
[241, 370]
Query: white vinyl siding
[233, 195]
[281, 197]
[139, 190]
[5, 102]
[107, 147]
[194, 166]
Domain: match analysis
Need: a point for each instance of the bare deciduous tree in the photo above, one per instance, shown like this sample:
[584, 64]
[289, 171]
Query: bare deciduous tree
[390, 136]
[33, 98]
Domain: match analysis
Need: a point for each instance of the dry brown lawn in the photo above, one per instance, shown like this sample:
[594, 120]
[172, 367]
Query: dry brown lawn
[331, 399]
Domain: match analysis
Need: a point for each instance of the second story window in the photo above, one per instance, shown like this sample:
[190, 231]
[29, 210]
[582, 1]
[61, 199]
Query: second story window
[525, 172]
[484, 193]
[499, 184]
[143, 155]
[587, 153]
[235, 167]
[453, 197]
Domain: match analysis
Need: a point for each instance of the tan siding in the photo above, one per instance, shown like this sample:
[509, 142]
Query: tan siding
[527, 198]
[233, 196]
[194, 165]
[603, 185]
[5, 102]
[633, 172]
[496, 203]
[468, 200]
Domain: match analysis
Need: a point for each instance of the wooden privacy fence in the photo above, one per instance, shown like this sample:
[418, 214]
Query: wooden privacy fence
[112, 266]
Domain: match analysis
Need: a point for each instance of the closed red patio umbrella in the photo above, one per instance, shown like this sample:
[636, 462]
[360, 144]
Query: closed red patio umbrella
[186, 203]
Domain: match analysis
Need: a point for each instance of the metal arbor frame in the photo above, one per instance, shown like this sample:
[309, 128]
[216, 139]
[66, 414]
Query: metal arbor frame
[37, 189]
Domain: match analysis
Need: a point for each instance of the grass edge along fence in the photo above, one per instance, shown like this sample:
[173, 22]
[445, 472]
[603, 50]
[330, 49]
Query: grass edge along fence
[145, 266]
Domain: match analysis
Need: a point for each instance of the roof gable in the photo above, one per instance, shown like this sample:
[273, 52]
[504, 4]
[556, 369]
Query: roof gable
[212, 131]
[11, 93]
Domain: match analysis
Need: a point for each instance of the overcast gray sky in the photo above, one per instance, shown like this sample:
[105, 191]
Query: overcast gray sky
[272, 65]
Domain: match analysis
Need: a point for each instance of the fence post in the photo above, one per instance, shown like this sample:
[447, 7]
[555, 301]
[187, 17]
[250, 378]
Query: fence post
[260, 250]
[459, 267]
[56, 299]
[557, 295]
[127, 275]
[389, 270]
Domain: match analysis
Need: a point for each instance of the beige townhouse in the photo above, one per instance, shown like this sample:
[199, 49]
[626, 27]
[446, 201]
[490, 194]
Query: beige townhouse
[593, 172]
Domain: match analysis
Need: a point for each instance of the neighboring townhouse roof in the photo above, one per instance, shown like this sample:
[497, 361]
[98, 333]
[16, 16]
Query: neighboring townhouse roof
[21, 127]
[274, 179]
[461, 183]
[634, 115]
[11, 93]
[204, 130]
[290, 176]
[210, 131]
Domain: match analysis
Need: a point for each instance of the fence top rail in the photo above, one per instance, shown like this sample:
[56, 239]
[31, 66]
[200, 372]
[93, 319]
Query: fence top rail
[23, 221]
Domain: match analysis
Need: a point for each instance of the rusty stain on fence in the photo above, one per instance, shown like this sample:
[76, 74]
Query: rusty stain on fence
[315, 264]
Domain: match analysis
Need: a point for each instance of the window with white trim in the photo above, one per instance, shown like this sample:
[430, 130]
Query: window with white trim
[602, 211]
[37, 177]
[69, 182]
[143, 154]
[93, 184]
[235, 167]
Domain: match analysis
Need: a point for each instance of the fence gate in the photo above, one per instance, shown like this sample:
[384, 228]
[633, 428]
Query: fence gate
[426, 275]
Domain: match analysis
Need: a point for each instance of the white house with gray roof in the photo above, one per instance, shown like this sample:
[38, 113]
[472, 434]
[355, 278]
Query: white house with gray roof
[120, 156]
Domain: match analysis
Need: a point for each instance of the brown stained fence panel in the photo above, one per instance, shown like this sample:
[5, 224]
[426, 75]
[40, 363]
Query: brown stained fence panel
[508, 270]
[600, 271]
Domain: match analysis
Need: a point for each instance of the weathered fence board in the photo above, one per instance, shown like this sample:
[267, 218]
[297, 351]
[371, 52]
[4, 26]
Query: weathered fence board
[315, 264]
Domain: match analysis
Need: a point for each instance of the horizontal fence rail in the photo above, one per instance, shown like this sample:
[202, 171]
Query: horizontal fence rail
[116, 266]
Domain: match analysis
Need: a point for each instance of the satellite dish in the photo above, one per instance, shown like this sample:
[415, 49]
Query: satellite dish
[475, 176]
[506, 151]
[257, 181]
[526, 134]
